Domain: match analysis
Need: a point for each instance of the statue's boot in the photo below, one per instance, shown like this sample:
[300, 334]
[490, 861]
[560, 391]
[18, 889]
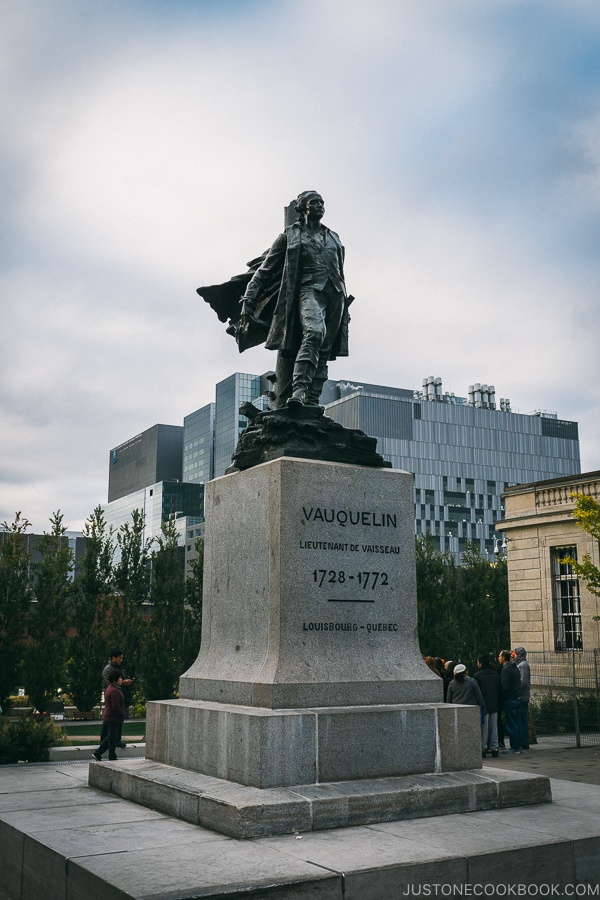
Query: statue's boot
[301, 382]
[313, 394]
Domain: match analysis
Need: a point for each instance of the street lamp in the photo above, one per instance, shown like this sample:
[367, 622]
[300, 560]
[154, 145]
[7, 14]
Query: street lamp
[501, 545]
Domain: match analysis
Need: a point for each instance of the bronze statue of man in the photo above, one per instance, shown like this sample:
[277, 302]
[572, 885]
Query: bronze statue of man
[296, 301]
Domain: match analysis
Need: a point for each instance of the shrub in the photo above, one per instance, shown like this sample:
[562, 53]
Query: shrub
[137, 706]
[553, 712]
[26, 740]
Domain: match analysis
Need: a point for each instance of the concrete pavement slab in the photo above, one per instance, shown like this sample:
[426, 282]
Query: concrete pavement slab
[60, 797]
[377, 865]
[469, 834]
[546, 757]
[17, 778]
[16, 825]
[75, 771]
[30, 821]
[362, 847]
[183, 871]
[555, 847]
[44, 853]
[379, 860]
[565, 820]
[125, 836]
[579, 803]
[567, 790]
[463, 835]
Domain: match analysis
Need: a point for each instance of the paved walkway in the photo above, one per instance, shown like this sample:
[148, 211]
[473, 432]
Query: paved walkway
[60, 838]
[547, 758]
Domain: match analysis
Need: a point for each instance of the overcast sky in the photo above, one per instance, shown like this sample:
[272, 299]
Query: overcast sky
[149, 147]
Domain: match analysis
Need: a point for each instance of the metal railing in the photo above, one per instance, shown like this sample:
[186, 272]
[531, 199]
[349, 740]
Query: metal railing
[565, 696]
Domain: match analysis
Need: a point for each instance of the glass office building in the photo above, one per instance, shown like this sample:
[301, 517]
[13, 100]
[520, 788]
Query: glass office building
[211, 433]
[463, 452]
[149, 457]
[198, 445]
[229, 423]
[159, 502]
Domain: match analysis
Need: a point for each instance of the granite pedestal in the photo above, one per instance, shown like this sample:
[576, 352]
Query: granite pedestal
[309, 673]
[310, 590]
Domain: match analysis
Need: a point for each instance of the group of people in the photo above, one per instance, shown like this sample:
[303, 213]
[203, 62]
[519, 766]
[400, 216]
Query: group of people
[115, 707]
[502, 697]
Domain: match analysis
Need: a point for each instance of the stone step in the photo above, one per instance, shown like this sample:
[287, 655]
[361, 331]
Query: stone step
[240, 811]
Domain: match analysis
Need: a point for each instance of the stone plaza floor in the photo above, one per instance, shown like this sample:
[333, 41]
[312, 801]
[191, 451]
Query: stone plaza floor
[60, 838]
[551, 758]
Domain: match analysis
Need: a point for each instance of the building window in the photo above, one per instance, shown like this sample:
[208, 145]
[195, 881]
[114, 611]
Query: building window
[566, 604]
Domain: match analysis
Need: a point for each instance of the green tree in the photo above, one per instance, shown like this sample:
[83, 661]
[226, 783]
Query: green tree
[163, 633]
[192, 615]
[132, 583]
[587, 514]
[499, 622]
[48, 619]
[462, 610]
[436, 598]
[93, 599]
[483, 606]
[15, 597]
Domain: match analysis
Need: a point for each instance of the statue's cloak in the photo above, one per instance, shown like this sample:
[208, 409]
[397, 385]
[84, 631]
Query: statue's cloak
[226, 300]
[271, 284]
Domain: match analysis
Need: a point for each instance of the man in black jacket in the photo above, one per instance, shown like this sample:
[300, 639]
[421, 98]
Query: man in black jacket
[489, 683]
[519, 655]
[514, 711]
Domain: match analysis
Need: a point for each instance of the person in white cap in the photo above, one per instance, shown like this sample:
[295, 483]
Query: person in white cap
[465, 690]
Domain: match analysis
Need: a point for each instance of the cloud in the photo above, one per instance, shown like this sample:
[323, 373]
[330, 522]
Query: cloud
[151, 148]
